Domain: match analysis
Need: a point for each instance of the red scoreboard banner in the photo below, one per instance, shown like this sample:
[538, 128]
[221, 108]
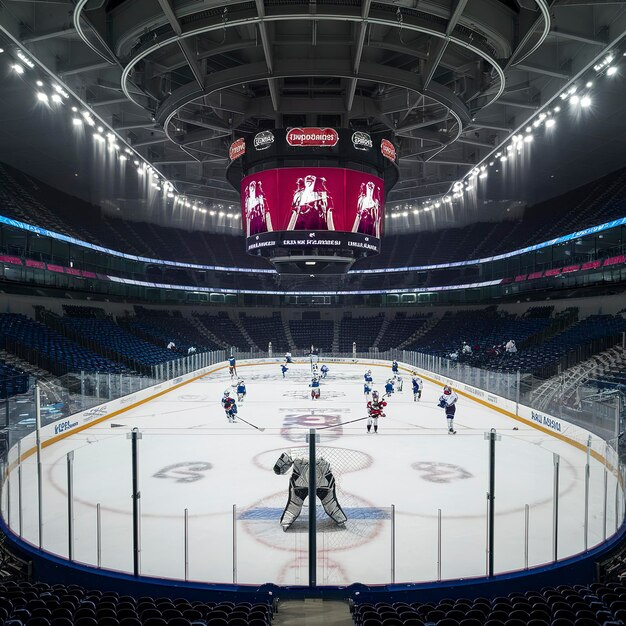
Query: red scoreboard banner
[325, 137]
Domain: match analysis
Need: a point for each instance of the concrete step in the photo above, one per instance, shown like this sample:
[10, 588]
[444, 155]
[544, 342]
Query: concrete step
[312, 612]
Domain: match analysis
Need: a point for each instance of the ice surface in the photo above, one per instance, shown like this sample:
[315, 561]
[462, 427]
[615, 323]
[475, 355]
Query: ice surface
[192, 459]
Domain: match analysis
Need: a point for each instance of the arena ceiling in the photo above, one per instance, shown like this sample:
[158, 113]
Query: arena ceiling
[179, 79]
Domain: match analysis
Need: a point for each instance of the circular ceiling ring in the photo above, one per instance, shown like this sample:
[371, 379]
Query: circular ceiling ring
[109, 57]
[183, 96]
[246, 22]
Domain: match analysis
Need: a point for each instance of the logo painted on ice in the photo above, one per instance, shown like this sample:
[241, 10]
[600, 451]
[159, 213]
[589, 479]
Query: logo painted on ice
[549, 422]
[296, 425]
[64, 426]
[185, 472]
[441, 472]
[93, 413]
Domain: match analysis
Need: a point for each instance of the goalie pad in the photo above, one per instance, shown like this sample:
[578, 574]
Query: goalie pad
[299, 489]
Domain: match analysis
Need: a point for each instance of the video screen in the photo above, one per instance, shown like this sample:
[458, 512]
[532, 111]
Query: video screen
[312, 199]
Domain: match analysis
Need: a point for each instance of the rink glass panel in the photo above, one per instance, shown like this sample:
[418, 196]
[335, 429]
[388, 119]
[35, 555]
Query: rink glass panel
[423, 494]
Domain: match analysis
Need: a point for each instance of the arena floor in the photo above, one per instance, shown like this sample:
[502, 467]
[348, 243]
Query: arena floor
[191, 458]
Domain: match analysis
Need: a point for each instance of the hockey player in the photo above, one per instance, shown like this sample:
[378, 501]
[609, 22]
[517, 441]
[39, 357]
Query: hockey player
[368, 377]
[283, 369]
[417, 387]
[367, 389]
[448, 402]
[374, 410]
[394, 367]
[230, 406]
[315, 388]
[389, 387]
[397, 383]
[232, 367]
[324, 370]
[241, 390]
[299, 488]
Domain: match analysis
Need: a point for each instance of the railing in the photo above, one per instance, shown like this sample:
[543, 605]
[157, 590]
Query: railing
[211, 507]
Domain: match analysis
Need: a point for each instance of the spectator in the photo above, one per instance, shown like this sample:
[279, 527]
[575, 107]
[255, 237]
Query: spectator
[510, 347]
[191, 350]
[466, 349]
[288, 357]
[171, 345]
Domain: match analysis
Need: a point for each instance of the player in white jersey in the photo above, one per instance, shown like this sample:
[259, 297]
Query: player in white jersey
[448, 402]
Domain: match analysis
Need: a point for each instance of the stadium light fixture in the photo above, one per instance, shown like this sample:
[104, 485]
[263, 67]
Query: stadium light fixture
[483, 175]
[212, 213]
[17, 68]
[585, 101]
[22, 57]
[550, 123]
[42, 97]
[589, 84]
[574, 100]
[77, 121]
[557, 109]
[123, 158]
[612, 70]
[528, 138]
[503, 158]
[1, 50]
[56, 98]
[39, 83]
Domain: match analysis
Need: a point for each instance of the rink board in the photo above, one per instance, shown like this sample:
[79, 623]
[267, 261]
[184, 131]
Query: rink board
[209, 485]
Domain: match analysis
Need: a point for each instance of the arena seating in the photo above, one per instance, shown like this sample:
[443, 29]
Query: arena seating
[361, 330]
[401, 328]
[159, 327]
[593, 605]
[262, 330]
[49, 349]
[223, 327]
[481, 328]
[29, 200]
[549, 352]
[12, 381]
[112, 339]
[39, 604]
[307, 333]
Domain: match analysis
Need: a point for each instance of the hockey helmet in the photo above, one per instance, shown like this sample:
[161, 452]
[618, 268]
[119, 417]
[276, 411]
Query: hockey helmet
[240, 381]
[375, 395]
[368, 372]
[447, 391]
[226, 392]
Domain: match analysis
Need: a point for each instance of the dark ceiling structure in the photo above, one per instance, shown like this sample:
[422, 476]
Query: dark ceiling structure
[178, 80]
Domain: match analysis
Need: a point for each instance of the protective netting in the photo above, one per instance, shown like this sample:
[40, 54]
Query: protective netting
[364, 521]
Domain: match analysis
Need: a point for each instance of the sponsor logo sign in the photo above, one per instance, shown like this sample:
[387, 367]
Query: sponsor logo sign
[326, 137]
[544, 420]
[237, 149]
[361, 140]
[388, 150]
[64, 426]
[263, 140]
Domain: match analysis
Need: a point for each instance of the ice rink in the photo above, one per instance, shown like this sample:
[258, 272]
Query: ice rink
[192, 459]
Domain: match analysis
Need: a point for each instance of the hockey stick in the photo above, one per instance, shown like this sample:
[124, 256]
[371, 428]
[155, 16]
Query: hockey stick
[249, 423]
[358, 419]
